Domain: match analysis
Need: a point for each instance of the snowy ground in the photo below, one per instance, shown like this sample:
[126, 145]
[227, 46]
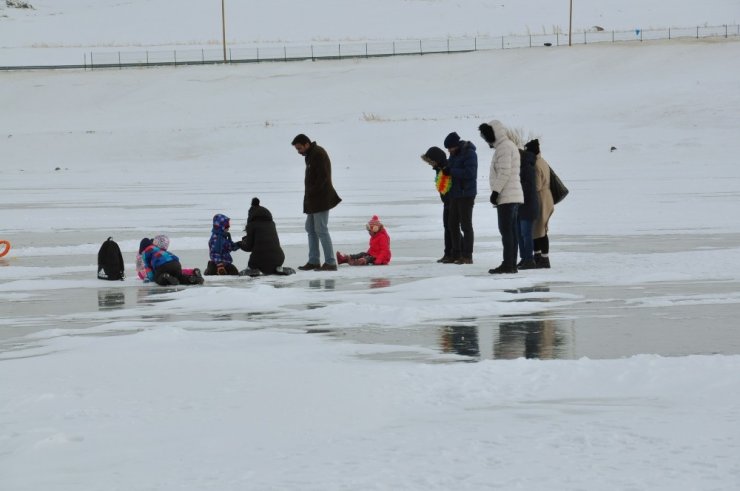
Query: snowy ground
[358, 379]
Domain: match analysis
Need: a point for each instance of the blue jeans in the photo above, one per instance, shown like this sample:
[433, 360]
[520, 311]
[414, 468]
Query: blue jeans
[526, 242]
[317, 227]
[507, 214]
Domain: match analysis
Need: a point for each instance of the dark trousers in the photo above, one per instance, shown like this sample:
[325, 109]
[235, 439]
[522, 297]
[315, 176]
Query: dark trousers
[212, 269]
[542, 245]
[461, 220]
[173, 268]
[446, 222]
[507, 227]
[526, 243]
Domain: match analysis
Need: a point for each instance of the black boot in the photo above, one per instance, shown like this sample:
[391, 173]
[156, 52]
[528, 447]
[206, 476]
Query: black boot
[542, 262]
[503, 269]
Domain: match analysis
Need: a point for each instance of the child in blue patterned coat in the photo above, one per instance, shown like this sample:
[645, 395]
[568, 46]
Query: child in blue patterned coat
[220, 247]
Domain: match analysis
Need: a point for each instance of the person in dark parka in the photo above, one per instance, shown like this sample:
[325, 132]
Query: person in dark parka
[319, 197]
[437, 158]
[262, 241]
[529, 210]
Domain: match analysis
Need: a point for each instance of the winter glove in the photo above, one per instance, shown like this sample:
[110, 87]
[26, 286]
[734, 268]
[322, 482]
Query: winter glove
[494, 198]
[220, 269]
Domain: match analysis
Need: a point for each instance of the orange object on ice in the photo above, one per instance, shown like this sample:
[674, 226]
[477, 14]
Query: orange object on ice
[4, 247]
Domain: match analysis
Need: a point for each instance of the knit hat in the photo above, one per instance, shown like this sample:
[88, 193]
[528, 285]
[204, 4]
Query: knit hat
[374, 221]
[161, 241]
[144, 244]
[435, 156]
[533, 146]
[452, 140]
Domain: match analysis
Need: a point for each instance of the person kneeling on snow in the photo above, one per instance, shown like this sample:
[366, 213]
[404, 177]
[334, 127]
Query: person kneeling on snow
[380, 247]
[262, 241]
[162, 266]
[220, 247]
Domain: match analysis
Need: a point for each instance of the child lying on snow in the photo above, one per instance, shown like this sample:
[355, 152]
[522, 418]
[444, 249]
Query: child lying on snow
[163, 242]
[379, 251]
[163, 267]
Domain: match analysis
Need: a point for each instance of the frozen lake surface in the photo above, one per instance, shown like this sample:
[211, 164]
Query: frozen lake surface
[599, 320]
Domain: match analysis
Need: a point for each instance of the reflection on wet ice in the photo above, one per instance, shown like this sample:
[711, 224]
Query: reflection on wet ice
[111, 299]
[544, 339]
[322, 284]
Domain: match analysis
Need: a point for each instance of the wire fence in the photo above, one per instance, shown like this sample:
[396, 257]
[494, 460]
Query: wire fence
[121, 59]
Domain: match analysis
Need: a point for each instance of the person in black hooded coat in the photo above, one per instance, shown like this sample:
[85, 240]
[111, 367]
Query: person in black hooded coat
[262, 241]
[529, 210]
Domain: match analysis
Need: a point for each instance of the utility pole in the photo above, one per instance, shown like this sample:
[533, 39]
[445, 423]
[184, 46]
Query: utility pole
[223, 28]
[570, 25]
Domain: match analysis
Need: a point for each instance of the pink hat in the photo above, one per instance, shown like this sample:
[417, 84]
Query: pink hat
[374, 221]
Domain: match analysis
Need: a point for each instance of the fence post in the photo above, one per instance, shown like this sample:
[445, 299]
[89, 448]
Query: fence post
[258, 54]
[669, 33]
[366, 50]
[612, 36]
[475, 43]
[725, 31]
[230, 57]
[147, 57]
[85, 60]
[502, 42]
[394, 48]
[697, 32]
[340, 51]
[448, 46]
[285, 52]
[530, 40]
[557, 39]
[203, 56]
[174, 56]
[312, 58]
[119, 60]
[421, 50]
[585, 41]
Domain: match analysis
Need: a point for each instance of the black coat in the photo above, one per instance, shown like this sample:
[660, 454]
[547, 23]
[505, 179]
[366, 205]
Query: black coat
[262, 241]
[531, 208]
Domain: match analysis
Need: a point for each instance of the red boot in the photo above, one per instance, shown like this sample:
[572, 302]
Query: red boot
[341, 258]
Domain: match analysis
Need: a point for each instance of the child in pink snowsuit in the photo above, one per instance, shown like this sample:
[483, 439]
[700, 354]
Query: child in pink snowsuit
[379, 251]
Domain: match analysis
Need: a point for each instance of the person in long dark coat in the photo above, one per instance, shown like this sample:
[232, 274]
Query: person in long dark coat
[529, 210]
[319, 197]
[262, 241]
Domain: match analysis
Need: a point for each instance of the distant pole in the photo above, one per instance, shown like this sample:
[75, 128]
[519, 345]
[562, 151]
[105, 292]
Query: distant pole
[570, 25]
[223, 27]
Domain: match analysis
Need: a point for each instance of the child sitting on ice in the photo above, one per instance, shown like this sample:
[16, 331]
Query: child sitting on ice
[163, 267]
[192, 275]
[220, 247]
[379, 251]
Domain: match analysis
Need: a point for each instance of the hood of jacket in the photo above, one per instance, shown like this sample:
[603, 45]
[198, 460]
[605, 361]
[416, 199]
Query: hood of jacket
[259, 213]
[499, 132]
[220, 223]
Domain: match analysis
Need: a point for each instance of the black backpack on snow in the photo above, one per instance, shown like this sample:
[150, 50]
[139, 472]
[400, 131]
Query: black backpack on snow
[110, 261]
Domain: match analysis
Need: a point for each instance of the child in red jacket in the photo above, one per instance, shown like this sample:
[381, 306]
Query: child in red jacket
[379, 251]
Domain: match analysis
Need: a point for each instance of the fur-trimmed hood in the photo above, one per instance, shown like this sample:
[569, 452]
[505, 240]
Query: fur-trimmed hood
[499, 131]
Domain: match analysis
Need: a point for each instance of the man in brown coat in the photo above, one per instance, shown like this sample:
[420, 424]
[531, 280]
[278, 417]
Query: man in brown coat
[319, 197]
